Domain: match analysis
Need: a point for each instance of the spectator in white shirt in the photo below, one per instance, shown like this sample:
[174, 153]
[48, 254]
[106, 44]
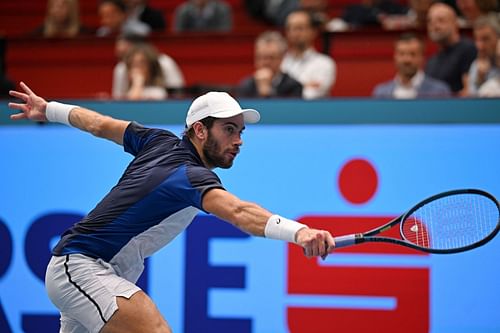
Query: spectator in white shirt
[171, 72]
[486, 35]
[315, 71]
[491, 88]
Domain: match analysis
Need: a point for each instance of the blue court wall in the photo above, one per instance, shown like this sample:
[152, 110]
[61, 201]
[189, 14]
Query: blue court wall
[344, 165]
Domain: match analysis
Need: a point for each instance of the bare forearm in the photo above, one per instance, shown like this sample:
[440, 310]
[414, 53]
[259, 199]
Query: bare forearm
[98, 125]
[250, 218]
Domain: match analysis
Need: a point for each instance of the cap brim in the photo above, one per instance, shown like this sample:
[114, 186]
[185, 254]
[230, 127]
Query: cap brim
[250, 116]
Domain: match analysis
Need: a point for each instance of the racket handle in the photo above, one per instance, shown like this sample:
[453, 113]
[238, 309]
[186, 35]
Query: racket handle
[346, 240]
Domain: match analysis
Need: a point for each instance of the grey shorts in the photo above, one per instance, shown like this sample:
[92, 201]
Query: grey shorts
[85, 290]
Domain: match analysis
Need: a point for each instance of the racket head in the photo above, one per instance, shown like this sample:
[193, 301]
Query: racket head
[452, 221]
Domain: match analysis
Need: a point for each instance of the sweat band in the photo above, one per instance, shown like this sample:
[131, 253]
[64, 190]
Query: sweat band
[58, 112]
[278, 227]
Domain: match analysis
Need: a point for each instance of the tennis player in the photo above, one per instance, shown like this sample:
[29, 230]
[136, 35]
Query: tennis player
[92, 274]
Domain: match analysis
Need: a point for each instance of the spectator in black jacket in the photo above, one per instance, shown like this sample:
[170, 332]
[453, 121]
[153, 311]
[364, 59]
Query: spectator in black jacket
[140, 11]
[268, 80]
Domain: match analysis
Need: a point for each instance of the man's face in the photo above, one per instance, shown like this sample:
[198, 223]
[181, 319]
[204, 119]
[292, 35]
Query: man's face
[60, 11]
[441, 23]
[408, 57]
[299, 32]
[223, 142]
[111, 16]
[486, 41]
[268, 55]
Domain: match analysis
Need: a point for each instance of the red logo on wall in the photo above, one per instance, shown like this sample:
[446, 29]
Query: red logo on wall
[403, 290]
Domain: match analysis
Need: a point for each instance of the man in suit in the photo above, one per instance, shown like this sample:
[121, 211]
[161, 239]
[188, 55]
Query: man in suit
[268, 80]
[410, 80]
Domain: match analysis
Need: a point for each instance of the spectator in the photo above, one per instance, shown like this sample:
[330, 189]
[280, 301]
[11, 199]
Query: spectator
[268, 79]
[140, 11]
[113, 16]
[371, 12]
[62, 20]
[203, 15]
[410, 80]
[452, 61]
[144, 74]
[315, 71]
[486, 34]
[318, 9]
[471, 10]
[273, 12]
[173, 78]
[414, 18]
[491, 88]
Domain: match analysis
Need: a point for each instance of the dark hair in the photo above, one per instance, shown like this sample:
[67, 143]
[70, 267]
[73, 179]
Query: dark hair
[118, 3]
[313, 21]
[408, 36]
[208, 122]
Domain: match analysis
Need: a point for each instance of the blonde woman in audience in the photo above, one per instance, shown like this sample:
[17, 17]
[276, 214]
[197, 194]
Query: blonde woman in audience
[61, 20]
[145, 76]
[172, 74]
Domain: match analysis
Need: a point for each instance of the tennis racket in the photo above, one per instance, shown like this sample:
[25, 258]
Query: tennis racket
[448, 222]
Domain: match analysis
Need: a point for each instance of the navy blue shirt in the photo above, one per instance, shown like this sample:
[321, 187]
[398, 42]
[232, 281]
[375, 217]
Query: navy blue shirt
[156, 198]
[450, 64]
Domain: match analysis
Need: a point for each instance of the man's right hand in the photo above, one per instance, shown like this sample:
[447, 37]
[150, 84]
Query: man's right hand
[33, 108]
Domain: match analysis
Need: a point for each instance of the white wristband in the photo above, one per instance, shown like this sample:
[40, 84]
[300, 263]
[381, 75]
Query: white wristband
[58, 112]
[278, 227]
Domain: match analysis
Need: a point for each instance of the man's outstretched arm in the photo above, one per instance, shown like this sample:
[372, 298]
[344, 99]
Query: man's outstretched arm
[38, 109]
[257, 221]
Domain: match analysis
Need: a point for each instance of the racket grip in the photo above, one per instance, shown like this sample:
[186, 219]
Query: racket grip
[346, 240]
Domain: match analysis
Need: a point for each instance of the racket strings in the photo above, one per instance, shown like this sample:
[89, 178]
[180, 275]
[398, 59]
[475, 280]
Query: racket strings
[451, 222]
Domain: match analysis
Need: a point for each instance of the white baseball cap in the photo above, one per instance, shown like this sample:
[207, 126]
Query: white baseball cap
[218, 105]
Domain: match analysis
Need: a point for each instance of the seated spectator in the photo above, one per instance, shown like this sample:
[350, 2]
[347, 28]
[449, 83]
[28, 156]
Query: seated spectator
[140, 11]
[144, 74]
[410, 80]
[486, 35]
[62, 20]
[273, 12]
[315, 71]
[318, 9]
[471, 10]
[203, 15]
[113, 16]
[491, 88]
[172, 75]
[268, 79]
[455, 54]
[371, 12]
[414, 18]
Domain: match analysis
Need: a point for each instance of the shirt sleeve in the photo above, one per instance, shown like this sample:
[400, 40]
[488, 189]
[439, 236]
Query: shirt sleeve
[203, 180]
[137, 137]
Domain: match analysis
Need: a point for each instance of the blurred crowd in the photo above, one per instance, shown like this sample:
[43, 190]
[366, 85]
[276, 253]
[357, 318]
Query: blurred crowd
[286, 61]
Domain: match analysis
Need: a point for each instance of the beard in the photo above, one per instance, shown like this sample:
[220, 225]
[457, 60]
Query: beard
[408, 71]
[439, 37]
[213, 155]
